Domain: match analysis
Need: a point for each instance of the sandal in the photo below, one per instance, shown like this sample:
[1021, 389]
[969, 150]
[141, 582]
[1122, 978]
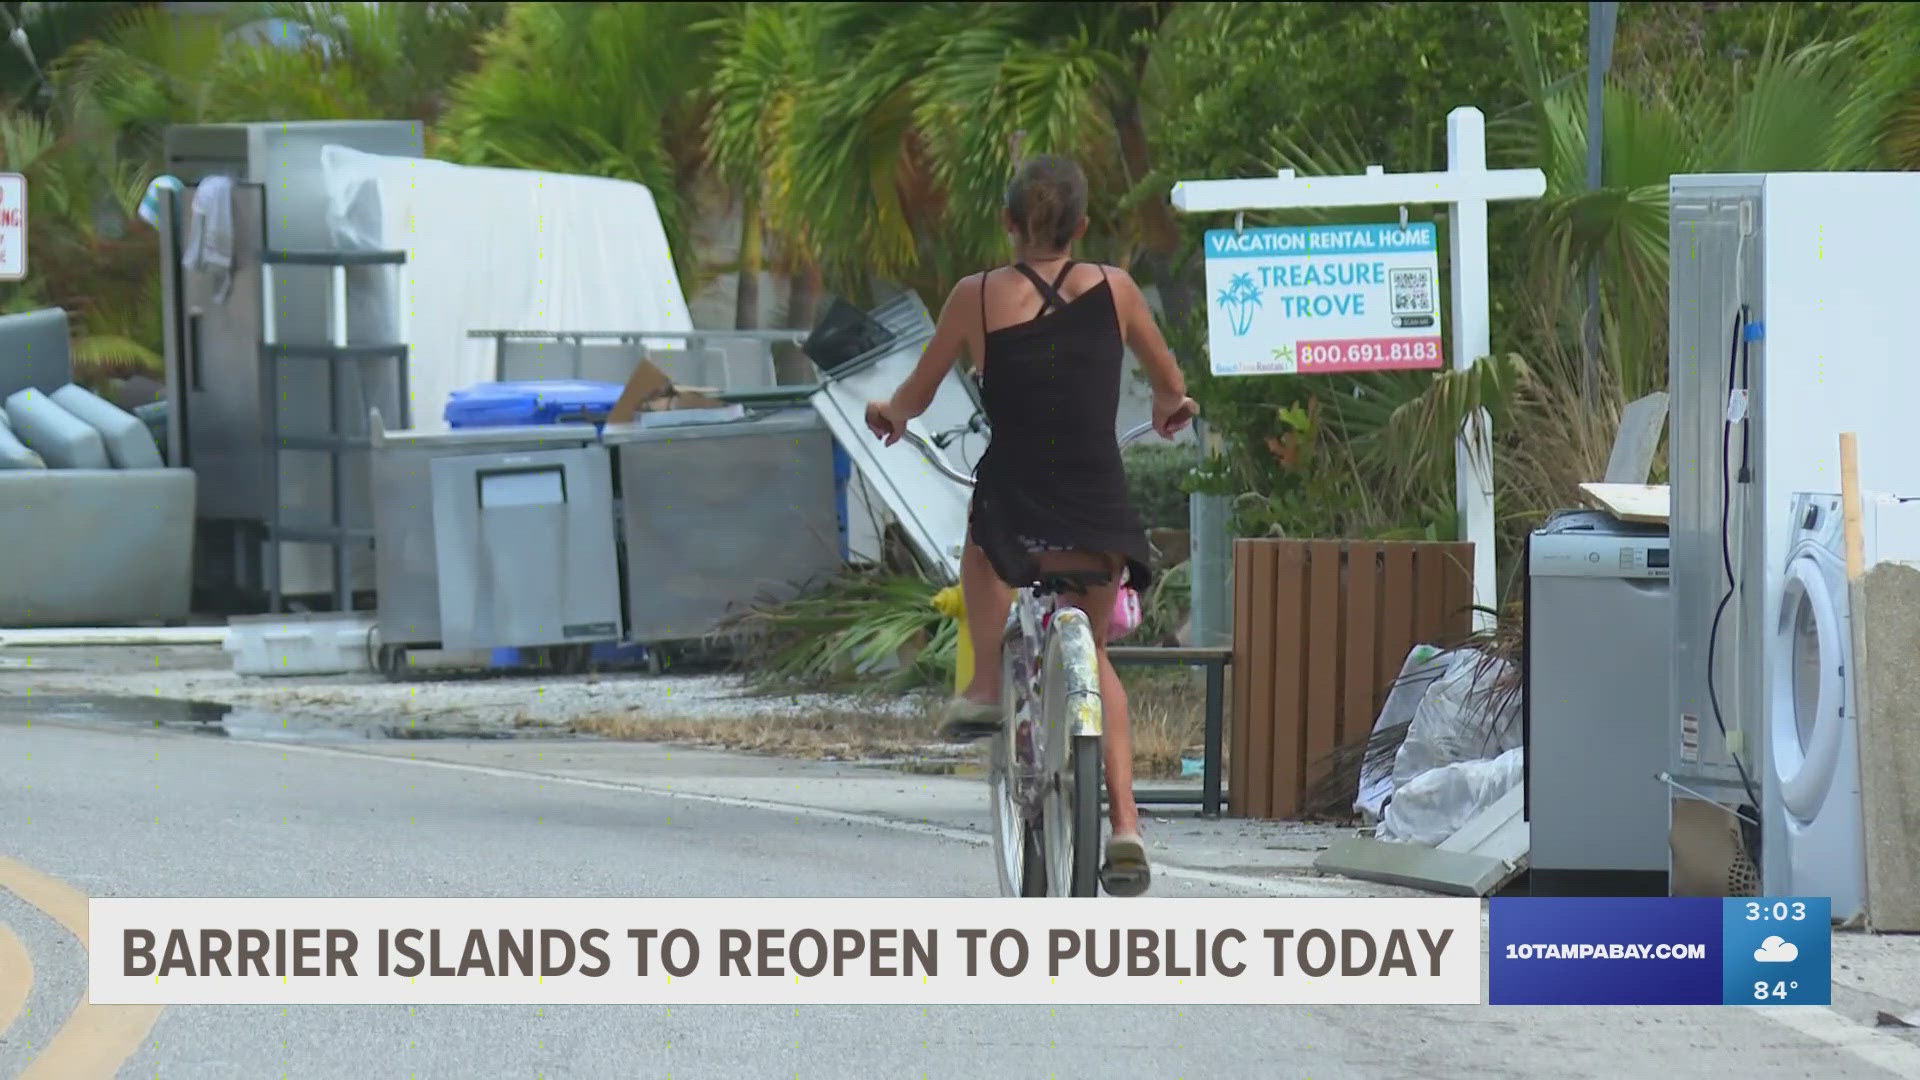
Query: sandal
[1125, 873]
[968, 720]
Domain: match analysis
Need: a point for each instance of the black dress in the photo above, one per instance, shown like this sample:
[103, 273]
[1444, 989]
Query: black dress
[1052, 477]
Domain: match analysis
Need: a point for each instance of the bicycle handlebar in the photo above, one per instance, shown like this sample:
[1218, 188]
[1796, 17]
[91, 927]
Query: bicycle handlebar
[940, 463]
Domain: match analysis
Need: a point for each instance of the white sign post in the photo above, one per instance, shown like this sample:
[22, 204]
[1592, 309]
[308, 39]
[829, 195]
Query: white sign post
[1466, 187]
[13, 226]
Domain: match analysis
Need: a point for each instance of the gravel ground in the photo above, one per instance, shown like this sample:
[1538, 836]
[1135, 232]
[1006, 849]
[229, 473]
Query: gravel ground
[436, 705]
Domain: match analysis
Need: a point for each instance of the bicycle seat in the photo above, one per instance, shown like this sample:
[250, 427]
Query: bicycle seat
[1057, 582]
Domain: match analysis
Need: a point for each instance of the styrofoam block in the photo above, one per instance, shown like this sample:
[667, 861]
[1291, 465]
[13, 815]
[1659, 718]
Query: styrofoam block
[300, 645]
[128, 441]
[64, 440]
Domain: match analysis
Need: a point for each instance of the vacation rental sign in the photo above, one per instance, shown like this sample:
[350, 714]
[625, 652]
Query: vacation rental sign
[1323, 298]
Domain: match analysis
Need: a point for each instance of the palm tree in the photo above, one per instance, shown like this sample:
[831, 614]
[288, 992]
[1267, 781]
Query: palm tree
[147, 68]
[767, 55]
[405, 57]
[87, 256]
[1882, 120]
[614, 90]
[1775, 114]
[50, 32]
[895, 157]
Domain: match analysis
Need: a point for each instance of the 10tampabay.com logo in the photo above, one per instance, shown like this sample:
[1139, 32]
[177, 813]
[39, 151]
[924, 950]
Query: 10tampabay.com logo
[1660, 951]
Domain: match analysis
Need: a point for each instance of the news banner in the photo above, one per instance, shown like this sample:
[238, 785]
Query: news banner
[419, 951]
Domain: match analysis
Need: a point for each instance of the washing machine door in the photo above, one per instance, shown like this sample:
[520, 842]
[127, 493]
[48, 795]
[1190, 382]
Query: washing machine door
[1810, 694]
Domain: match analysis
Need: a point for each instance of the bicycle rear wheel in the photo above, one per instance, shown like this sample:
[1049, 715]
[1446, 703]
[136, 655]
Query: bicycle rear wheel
[1018, 854]
[1070, 817]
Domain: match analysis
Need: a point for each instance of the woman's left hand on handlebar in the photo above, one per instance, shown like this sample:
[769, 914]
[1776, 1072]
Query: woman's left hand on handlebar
[885, 424]
[1170, 417]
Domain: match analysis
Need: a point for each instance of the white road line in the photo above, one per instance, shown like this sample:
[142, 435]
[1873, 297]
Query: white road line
[1297, 888]
[1876, 1048]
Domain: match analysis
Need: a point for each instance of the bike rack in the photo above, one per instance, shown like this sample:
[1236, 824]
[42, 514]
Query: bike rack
[1210, 796]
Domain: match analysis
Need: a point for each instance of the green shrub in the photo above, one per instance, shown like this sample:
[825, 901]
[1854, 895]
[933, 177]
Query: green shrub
[860, 631]
[1156, 482]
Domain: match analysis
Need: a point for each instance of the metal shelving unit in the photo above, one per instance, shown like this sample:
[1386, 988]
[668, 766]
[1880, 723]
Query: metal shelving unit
[336, 532]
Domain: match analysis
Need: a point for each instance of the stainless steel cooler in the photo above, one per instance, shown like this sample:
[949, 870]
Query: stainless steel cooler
[525, 548]
[407, 563]
[716, 516]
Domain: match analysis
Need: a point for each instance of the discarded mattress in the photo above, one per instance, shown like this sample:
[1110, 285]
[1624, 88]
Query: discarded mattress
[494, 249]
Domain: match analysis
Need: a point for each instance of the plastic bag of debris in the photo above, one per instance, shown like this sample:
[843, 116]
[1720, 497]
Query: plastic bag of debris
[1424, 665]
[1470, 713]
[1438, 802]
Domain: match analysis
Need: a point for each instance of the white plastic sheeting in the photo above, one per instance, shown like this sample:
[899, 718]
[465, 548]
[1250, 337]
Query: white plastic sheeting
[1424, 664]
[493, 249]
[1433, 806]
[1464, 716]
[1462, 751]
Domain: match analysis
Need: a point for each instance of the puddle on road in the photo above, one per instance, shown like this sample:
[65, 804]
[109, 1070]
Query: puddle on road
[215, 719]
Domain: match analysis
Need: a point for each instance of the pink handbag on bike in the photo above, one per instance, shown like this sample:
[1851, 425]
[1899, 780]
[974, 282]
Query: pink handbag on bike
[1126, 612]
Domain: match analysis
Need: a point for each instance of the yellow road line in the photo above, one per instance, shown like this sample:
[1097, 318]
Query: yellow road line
[96, 1039]
[16, 978]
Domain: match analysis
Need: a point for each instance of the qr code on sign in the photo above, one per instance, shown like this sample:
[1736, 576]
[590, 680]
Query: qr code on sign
[1412, 291]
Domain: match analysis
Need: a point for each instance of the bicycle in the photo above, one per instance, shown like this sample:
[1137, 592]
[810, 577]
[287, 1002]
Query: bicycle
[1046, 770]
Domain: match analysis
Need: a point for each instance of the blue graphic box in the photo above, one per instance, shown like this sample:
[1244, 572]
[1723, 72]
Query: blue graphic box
[1659, 951]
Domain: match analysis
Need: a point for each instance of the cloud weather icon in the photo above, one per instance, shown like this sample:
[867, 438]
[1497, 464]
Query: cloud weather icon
[1776, 950]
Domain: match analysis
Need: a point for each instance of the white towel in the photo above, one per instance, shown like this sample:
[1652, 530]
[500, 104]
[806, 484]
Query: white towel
[150, 202]
[210, 234]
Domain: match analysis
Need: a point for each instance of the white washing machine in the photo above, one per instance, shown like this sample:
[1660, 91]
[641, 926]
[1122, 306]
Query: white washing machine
[1813, 841]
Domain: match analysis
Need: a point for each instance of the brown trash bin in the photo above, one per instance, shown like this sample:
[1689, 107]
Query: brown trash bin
[1321, 629]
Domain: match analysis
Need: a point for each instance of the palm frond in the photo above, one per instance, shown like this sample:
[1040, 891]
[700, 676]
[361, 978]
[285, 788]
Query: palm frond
[1880, 122]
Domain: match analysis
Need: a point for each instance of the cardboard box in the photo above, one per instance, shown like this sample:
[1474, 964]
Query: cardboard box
[649, 390]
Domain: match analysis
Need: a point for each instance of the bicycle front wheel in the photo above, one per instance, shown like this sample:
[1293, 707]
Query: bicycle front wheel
[1089, 781]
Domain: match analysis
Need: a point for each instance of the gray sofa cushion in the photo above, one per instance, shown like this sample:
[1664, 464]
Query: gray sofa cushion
[13, 453]
[105, 548]
[128, 441]
[63, 439]
[35, 350]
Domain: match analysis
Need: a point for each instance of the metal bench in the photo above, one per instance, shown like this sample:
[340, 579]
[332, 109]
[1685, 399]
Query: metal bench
[1215, 661]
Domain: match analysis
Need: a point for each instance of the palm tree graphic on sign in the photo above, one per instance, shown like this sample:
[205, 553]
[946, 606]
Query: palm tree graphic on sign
[1240, 298]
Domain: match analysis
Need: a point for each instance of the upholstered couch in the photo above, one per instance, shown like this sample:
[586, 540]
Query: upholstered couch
[86, 547]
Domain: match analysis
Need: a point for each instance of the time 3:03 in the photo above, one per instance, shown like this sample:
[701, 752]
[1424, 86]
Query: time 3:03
[1778, 911]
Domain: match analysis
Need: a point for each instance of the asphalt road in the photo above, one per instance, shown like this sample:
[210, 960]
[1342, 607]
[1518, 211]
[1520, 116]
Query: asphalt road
[118, 809]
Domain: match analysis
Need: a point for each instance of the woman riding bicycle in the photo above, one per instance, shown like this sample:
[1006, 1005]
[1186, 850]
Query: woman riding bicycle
[1047, 337]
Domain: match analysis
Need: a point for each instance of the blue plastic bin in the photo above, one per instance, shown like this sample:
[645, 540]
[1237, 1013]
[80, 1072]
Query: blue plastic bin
[546, 401]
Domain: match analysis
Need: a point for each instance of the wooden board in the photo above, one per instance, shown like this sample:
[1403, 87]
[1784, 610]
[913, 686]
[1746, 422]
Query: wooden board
[1637, 442]
[1453, 873]
[1647, 503]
